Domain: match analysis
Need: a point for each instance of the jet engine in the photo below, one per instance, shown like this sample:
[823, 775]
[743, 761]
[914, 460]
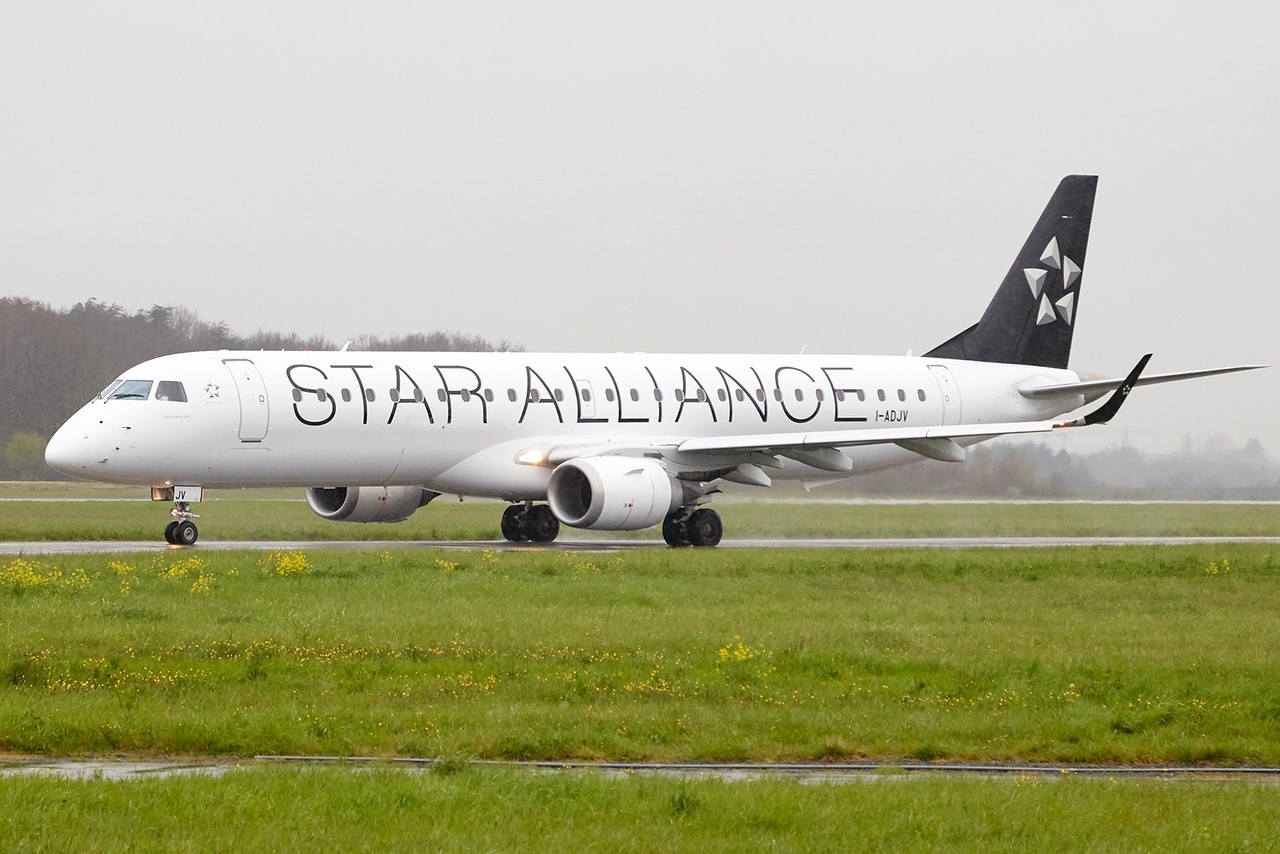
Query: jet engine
[613, 493]
[367, 503]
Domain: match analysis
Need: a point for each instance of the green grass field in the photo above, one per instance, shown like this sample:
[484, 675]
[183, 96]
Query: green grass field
[283, 515]
[1159, 655]
[472, 810]
[1132, 655]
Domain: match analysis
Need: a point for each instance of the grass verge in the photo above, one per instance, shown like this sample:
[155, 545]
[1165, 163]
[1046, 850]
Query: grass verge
[1137, 655]
[89, 512]
[471, 810]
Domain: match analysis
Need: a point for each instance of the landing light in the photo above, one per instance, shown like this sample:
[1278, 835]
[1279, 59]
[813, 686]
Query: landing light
[532, 457]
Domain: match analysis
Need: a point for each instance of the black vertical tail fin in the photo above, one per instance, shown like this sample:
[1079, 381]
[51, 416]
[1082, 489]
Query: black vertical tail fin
[1032, 316]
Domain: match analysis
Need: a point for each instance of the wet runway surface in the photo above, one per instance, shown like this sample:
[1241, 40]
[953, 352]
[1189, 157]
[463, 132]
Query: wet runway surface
[608, 545]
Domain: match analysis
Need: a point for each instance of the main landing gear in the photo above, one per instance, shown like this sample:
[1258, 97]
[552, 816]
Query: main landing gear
[182, 531]
[700, 528]
[530, 522]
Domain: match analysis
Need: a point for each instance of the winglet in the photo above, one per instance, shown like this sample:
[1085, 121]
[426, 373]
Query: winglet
[1108, 410]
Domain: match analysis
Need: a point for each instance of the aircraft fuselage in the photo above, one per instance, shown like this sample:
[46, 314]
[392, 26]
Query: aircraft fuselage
[458, 422]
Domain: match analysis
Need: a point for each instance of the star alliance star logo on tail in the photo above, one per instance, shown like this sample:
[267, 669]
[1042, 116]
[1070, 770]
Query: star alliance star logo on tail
[1037, 278]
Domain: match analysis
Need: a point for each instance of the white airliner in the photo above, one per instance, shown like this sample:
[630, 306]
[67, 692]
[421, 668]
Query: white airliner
[610, 442]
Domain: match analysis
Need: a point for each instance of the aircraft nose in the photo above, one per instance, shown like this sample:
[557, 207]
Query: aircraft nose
[67, 451]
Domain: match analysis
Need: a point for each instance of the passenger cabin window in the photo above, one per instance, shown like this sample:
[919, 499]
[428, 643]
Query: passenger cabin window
[171, 390]
[920, 394]
[132, 390]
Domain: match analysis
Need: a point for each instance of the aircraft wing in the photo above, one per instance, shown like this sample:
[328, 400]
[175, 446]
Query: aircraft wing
[820, 448]
[816, 449]
[850, 438]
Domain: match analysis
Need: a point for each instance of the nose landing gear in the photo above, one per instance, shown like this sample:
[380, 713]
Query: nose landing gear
[182, 531]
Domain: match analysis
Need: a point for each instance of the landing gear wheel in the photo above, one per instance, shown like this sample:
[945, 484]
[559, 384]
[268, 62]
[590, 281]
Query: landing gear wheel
[673, 530]
[541, 524]
[170, 530]
[513, 523]
[185, 533]
[705, 528]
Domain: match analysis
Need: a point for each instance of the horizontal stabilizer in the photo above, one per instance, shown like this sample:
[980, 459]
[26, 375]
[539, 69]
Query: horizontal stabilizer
[1094, 389]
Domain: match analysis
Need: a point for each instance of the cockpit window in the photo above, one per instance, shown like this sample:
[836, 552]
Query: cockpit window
[171, 390]
[132, 390]
[105, 394]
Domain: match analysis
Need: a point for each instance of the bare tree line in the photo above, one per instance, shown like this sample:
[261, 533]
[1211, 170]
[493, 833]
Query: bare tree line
[54, 360]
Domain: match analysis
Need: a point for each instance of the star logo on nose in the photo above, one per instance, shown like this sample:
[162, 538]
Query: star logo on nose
[1037, 278]
[212, 390]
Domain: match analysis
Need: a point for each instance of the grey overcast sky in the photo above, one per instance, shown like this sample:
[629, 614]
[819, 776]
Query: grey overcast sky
[835, 177]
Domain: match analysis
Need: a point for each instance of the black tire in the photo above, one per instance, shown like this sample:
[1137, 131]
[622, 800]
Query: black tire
[673, 530]
[513, 524]
[705, 528]
[170, 536]
[541, 524]
[185, 534]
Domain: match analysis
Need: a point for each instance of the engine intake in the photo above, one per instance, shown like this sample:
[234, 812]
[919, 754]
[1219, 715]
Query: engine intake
[367, 503]
[612, 493]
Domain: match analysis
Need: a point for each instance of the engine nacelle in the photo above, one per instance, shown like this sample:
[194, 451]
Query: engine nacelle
[367, 503]
[612, 493]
